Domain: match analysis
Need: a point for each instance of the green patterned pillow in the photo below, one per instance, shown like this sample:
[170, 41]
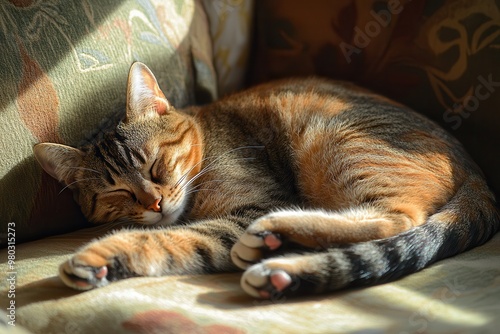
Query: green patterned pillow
[63, 75]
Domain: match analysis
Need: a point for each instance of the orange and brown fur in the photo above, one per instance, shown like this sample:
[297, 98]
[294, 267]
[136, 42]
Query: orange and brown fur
[309, 185]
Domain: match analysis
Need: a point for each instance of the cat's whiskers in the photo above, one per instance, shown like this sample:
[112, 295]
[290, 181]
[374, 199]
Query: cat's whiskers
[199, 190]
[196, 188]
[80, 168]
[198, 175]
[208, 169]
[77, 181]
[217, 158]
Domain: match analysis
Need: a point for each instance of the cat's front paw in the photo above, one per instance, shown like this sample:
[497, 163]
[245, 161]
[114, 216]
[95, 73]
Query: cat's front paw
[88, 269]
[282, 232]
[251, 247]
[266, 281]
[103, 261]
[79, 274]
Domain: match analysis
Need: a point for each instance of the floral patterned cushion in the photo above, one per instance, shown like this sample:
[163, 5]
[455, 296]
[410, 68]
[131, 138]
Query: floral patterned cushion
[63, 76]
[230, 28]
[439, 57]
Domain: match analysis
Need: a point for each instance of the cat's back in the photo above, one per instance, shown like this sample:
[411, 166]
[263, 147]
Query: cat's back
[337, 136]
[294, 99]
[298, 101]
[296, 106]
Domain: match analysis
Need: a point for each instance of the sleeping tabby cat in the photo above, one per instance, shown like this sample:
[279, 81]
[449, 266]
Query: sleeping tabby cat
[309, 185]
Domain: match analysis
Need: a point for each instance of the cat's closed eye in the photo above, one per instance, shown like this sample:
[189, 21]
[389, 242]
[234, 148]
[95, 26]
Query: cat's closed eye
[155, 173]
[119, 193]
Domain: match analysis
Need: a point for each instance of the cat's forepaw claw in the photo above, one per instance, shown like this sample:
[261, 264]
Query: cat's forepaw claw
[250, 247]
[262, 282]
[82, 277]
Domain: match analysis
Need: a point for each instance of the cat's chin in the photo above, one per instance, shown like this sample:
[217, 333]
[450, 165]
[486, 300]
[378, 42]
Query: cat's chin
[170, 218]
[161, 218]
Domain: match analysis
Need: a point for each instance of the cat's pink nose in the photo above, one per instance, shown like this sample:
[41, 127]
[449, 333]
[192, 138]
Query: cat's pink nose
[155, 206]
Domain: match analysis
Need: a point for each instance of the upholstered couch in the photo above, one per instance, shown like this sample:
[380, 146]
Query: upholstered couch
[63, 75]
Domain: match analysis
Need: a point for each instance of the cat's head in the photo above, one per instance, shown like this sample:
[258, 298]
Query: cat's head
[138, 173]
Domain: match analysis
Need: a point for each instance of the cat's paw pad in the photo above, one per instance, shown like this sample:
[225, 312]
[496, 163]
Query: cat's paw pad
[260, 281]
[251, 246]
[82, 276]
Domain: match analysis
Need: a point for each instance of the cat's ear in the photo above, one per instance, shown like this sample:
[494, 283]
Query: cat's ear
[144, 96]
[59, 161]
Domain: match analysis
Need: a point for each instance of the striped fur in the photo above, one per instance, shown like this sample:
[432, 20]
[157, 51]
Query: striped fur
[309, 185]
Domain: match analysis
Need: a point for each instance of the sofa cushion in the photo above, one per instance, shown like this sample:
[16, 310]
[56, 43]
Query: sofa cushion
[63, 77]
[438, 57]
[230, 29]
[459, 294]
